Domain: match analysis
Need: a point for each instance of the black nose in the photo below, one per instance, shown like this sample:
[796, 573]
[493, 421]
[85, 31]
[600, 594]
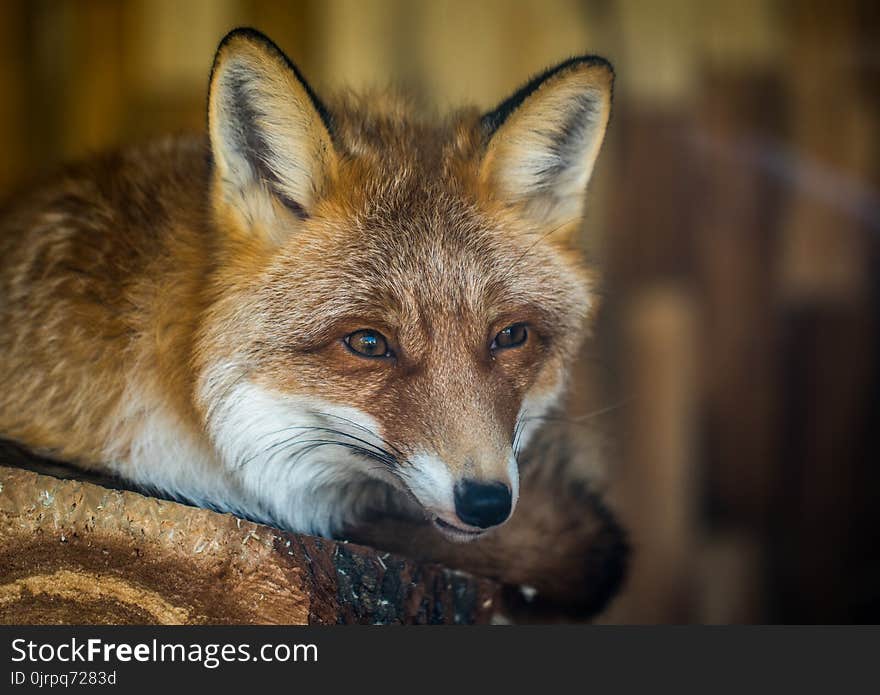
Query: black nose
[482, 504]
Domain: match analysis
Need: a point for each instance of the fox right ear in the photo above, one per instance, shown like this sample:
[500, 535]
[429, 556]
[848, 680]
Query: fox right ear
[543, 141]
[270, 135]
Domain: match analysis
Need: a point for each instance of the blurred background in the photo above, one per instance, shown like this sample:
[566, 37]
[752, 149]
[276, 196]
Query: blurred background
[734, 372]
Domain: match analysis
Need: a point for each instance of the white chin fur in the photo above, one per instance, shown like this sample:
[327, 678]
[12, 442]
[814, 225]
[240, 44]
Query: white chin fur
[266, 444]
[431, 484]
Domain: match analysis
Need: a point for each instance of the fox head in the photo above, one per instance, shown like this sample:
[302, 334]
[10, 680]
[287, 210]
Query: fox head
[394, 299]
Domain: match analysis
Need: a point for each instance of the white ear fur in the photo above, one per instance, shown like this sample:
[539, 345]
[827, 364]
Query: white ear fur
[269, 134]
[544, 140]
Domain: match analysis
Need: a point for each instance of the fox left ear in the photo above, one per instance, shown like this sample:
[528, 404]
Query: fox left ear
[543, 141]
[270, 135]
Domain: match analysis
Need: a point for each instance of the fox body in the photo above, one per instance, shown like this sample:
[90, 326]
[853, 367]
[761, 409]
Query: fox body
[321, 310]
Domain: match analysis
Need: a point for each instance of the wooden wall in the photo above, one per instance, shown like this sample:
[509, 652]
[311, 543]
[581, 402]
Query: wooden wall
[735, 210]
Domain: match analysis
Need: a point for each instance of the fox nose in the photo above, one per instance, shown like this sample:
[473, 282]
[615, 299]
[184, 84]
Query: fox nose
[482, 504]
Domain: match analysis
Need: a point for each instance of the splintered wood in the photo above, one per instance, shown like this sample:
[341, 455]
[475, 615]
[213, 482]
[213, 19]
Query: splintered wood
[73, 552]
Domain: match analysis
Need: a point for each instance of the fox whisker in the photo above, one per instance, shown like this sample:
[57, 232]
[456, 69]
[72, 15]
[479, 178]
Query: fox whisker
[586, 417]
[307, 446]
[375, 452]
[517, 433]
[367, 430]
[397, 456]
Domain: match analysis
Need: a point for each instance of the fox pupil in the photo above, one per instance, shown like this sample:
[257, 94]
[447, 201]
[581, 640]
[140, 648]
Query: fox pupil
[368, 343]
[512, 336]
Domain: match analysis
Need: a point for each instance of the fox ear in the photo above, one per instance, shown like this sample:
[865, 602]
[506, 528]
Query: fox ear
[543, 141]
[270, 135]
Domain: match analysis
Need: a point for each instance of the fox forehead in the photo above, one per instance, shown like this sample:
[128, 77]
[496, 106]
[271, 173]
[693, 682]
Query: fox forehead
[413, 267]
[388, 129]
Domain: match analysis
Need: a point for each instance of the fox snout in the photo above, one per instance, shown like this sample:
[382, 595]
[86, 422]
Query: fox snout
[477, 506]
[464, 501]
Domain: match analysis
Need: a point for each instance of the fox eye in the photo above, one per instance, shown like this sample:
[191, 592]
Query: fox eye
[511, 337]
[368, 343]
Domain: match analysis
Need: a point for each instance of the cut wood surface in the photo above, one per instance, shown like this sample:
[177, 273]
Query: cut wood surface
[75, 552]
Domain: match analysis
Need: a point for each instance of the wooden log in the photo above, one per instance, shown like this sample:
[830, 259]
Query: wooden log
[75, 552]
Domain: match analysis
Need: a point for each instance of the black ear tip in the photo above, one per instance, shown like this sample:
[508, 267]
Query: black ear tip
[239, 34]
[591, 61]
[248, 35]
[601, 69]
[492, 121]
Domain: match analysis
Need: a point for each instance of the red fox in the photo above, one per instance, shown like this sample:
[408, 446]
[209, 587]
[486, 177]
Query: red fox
[326, 315]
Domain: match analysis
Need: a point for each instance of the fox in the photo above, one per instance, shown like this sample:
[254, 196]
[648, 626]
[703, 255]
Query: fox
[339, 317]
